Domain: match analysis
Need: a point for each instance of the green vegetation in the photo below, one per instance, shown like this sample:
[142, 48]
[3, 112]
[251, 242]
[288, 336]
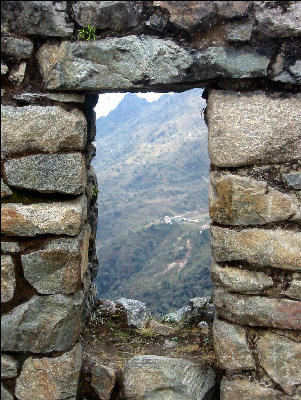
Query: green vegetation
[87, 33]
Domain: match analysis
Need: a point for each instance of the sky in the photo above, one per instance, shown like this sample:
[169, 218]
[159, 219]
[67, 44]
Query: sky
[108, 101]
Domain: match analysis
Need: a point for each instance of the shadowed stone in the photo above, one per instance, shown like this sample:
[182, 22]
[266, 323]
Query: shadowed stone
[10, 247]
[258, 310]
[5, 190]
[8, 366]
[240, 33]
[17, 74]
[159, 378]
[4, 68]
[231, 347]
[294, 289]
[60, 173]
[245, 128]
[281, 359]
[240, 200]
[15, 47]
[43, 324]
[62, 97]
[268, 248]
[58, 218]
[103, 381]
[60, 266]
[50, 378]
[48, 129]
[8, 278]
[5, 394]
[293, 179]
[240, 280]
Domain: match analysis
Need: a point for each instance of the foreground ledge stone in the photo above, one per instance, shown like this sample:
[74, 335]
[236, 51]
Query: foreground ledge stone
[8, 278]
[231, 347]
[258, 310]
[47, 129]
[264, 247]
[49, 173]
[245, 128]
[281, 359]
[240, 200]
[58, 218]
[50, 378]
[43, 324]
[60, 266]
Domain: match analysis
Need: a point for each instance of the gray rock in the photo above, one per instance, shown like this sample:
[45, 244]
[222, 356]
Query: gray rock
[240, 280]
[239, 33]
[136, 312]
[10, 247]
[43, 324]
[5, 190]
[295, 70]
[103, 381]
[170, 344]
[17, 73]
[179, 315]
[242, 200]
[4, 68]
[8, 278]
[62, 97]
[293, 179]
[160, 329]
[50, 378]
[125, 63]
[9, 367]
[113, 15]
[60, 266]
[257, 310]
[242, 128]
[49, 173]
[201, 308]
[231, 347]
[46, 18]
[16, 48]
[5, 394]
[48, 129]
[162, 378]
[58, 218]
[276, 22]
[3, 91]
[294, 289]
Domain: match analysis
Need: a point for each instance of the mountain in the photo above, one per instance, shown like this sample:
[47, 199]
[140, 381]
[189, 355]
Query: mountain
[152, 162]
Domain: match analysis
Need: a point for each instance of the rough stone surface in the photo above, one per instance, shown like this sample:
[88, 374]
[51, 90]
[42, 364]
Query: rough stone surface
[47, 129]
[201, 308]
[15, 47]
[5, 190]
[50, 378]
[269, 248]
[9, 366]
[239, 280]
[258, 311]
[295, 71]
[44, 18]
[8, 278]
[160, 329]
[162, 378]
[4, 68]
[294, 289]
[5, 394]
[62, 97]
[136, 311]
[58, 218]
[43, 324]
[240, 33]
[103, 381]
[245, 128]
[10, 247]
[17, 74]
[60, 173]
[113, 15]
[178, 315]
[240, 388]
[274, 22]
[231, 347]
[240, 200]
[281, 359]
[112, 63]
[60, 266]
[293, 179]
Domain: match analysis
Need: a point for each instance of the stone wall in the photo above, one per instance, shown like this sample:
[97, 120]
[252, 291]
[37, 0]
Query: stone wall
[247, 54]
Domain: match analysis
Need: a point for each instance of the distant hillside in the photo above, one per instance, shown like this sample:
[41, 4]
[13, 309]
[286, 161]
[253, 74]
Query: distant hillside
[152, 161]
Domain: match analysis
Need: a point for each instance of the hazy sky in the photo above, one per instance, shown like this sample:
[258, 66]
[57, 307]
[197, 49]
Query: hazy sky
[108, 101]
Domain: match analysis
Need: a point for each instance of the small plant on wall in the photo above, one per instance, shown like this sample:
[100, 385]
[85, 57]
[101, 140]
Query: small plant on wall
[87, 33]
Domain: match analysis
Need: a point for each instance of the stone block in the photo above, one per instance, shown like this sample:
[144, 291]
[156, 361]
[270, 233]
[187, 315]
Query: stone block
[53, 378]
[257, 310]
[294, 289]
[113, 15]
[58, 218]
[5, 394]
[4, 68]
[42, 18]
[264, 247]
[17, 73]
[231, 347]
[43, 324]
[5, 190]
[241, 200]
[293, 179]
[8, 278]
[49, 173]
[103, 381]
[280, 357]
[239, 280]
[239, 33]
[60, 266]
[16, 48]
[47, 129]
[113, 63]
[9, 367]
[246, 128]
[10, 247]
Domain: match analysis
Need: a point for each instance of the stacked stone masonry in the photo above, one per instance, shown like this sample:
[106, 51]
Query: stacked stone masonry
[247, 55]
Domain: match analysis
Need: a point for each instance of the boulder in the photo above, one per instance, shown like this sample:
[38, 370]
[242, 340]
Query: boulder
[8, 278]
[103, 381]
[294, 289]
[136, 312]
[179, 315]
[201, 308]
